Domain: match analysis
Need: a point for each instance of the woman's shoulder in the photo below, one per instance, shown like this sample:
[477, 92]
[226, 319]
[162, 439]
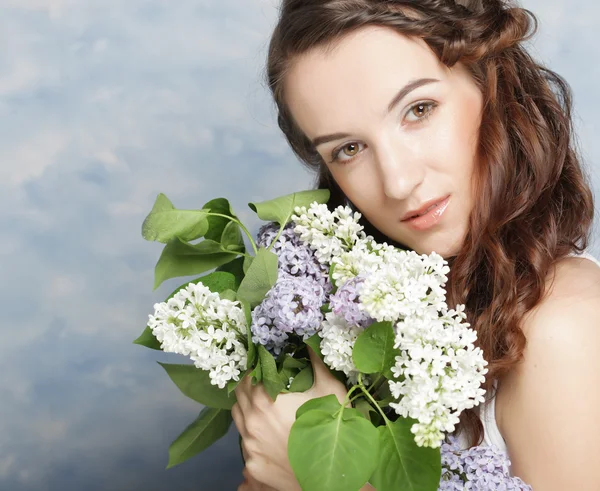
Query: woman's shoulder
[554, 391]
[567, 316]
[572, 288]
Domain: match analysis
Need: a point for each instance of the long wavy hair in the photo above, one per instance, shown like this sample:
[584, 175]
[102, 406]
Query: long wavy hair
[538, 206]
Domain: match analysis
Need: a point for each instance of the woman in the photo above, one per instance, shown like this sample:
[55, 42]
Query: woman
[433, 108]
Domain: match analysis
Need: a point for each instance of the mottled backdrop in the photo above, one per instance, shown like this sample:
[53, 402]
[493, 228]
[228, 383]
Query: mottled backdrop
[103, 104]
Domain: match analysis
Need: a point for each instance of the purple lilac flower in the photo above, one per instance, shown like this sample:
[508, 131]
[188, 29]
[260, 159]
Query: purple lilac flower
[484, 468]
[295, 258]
[293, 305]
[344, 302]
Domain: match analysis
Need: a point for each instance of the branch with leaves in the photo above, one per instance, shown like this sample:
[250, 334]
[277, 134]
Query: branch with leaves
[375, 314]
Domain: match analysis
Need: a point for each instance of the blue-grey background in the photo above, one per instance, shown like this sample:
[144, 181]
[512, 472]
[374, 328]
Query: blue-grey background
[104, 104]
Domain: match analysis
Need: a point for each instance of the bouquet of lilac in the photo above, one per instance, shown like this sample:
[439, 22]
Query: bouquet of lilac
[375, 314]
[477, 469]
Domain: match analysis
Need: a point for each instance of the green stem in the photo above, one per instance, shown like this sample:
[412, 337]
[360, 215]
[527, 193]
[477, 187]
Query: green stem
[374, 387]
[355, 397]
[276, 237]
[248, 234]
[366, 392]
[347, 399]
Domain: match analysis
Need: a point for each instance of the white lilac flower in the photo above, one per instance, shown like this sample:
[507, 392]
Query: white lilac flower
[345, 303]
[328, 233]
[359, 260]
[294, 257]
[480, 468]
[440, 373]
[406, 284]
[197, 323]
[291, 306]
[338, 338]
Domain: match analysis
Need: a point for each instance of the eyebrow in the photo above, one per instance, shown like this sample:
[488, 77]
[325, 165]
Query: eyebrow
[402, 93]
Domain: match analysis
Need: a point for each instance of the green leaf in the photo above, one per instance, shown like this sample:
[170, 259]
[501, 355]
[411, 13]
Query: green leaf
[374, 350]
[285, 374]
[247, 263]
[251, 346]
[329, 404]
[148, 340]
[281, 209]
[216, 282]
[256, 374]
[235, 268]
[336, 453]
[210, 425]
[315, 343]
[303, 381]
[179, 258]
[270, 377]
[165, 222]
[228, 295]
[290, 362]
[195, 383]
[368, 411]
[216, 225]
[232, 239]
[260, 277]
[402, 464]
[333, 284]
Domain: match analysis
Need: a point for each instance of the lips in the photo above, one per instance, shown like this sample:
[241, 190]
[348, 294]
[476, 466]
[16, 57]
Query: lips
[428, 206]
[427, 216]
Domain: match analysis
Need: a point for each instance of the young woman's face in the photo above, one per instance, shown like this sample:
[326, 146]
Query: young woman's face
[397, 129]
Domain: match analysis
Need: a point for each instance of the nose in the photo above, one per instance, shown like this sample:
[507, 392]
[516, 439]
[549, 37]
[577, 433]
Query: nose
[401, 168]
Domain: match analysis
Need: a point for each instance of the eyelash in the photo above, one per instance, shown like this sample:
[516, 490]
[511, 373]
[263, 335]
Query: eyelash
[429, 104]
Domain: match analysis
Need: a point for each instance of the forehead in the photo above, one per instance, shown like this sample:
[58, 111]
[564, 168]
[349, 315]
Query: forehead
[356, 78]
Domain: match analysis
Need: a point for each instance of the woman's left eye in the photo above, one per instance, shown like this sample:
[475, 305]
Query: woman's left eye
[421, 111]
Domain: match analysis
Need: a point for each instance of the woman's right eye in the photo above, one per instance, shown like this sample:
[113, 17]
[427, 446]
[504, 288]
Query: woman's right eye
[349, 150]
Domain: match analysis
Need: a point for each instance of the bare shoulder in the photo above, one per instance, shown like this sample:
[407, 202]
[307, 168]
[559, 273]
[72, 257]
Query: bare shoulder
[573, 293]
[573, 279]
[550, 400]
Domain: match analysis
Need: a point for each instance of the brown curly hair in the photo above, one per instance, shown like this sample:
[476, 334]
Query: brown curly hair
[538, 206]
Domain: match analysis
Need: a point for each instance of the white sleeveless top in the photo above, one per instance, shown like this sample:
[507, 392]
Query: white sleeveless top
[487, 410]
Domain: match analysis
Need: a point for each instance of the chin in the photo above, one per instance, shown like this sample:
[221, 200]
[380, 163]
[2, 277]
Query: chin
[445, 248]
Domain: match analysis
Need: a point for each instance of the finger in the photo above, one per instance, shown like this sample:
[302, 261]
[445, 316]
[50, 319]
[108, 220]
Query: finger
[255, 484]
[320, 370]
[243, 393]
[244, 452]
[251, 483]
[238, 419]
[260, 398]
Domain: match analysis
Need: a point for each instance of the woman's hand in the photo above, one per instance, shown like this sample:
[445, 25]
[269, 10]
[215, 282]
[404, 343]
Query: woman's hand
[251, 484]
[265, 427]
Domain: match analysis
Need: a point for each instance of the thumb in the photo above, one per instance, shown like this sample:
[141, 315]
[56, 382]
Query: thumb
[320, 370]
[325, 382]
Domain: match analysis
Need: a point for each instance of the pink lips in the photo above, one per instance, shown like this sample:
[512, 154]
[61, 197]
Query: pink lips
[429, 219]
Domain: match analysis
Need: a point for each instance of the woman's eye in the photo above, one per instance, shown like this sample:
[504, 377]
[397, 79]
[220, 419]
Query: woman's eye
[420, 111]
[349, 150]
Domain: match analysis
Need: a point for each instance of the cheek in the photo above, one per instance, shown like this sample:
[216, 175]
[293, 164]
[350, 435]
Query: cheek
[359, 184]
[455, 138]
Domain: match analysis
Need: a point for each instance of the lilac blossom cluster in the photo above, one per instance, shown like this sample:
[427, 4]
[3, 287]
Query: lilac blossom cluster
[295, 258]
[196, 322]
[293, 305]
[439, 370]
[345, 302]
[481, 468]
